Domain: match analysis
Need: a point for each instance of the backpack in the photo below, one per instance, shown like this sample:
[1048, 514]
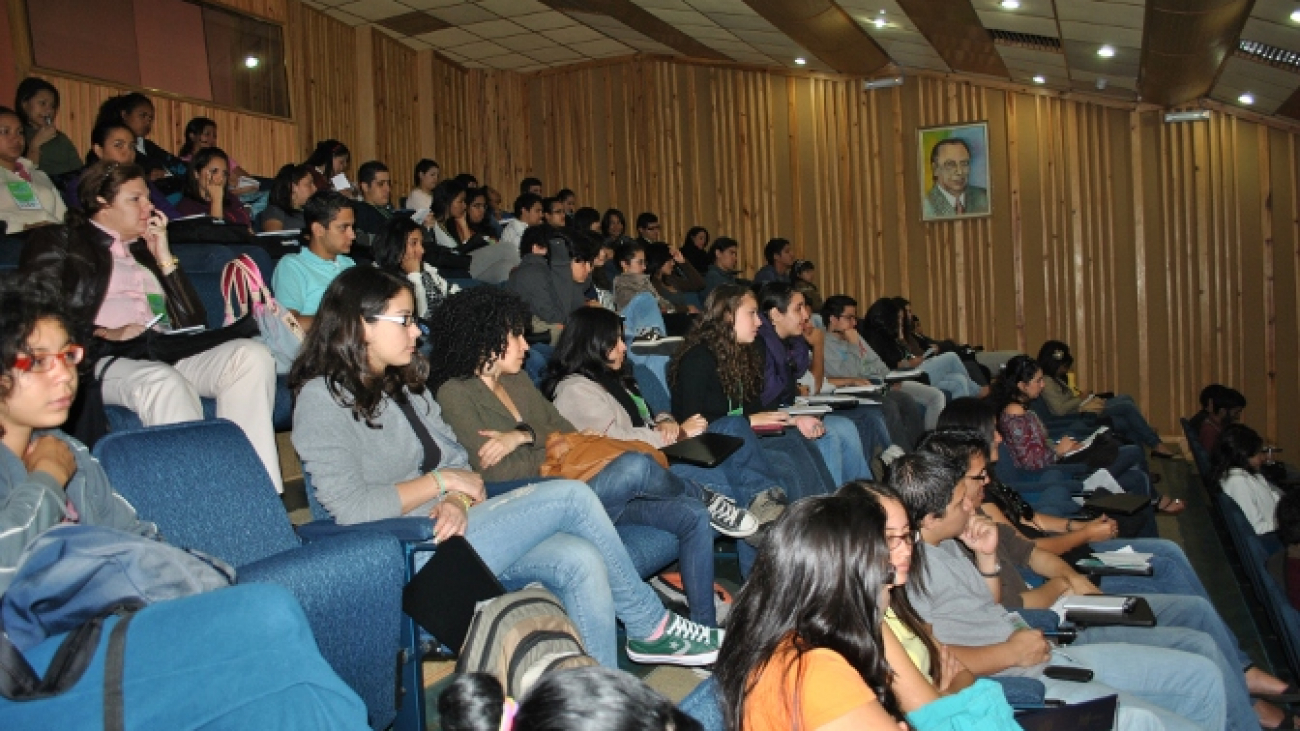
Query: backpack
[519, 637]
[244, 290]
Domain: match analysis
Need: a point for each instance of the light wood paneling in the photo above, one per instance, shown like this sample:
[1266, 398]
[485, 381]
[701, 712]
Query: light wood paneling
[396, 95]
[322, 78]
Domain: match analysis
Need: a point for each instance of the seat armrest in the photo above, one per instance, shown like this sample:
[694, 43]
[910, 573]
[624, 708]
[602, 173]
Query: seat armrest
[410, 530]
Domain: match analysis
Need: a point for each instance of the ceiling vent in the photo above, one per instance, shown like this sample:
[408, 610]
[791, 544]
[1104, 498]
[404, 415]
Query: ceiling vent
[414, 24]
[1279, 58]
[1025, 40]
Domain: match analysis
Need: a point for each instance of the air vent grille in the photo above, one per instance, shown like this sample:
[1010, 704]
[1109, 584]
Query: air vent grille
[1271, 55]
[1025, 40]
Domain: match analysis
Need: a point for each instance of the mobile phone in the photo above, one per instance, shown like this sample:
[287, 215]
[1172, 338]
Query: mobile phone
[1065, 672]
[1062, 636]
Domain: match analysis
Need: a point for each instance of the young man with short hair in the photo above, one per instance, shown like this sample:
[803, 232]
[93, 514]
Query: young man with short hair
[780, 258]
[375, 207]
[300, 279]
[546, 277]
[530, 185]
[648, 228]
[493, 264]
[1157, 687]
[726, 256]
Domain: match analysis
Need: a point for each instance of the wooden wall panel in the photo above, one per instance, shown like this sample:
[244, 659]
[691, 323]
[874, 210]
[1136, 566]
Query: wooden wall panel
[396, 99]
[322, 79]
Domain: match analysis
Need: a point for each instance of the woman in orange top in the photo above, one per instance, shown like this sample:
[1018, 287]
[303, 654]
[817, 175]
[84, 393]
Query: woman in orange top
[804, 648]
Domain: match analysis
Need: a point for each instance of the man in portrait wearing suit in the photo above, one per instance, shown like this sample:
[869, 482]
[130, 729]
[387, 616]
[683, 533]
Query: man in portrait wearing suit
[951, 195]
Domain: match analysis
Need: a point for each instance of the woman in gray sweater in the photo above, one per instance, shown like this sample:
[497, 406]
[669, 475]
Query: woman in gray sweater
[374, 442]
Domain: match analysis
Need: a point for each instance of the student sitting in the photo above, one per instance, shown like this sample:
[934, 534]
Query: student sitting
[1222, 409]
[648, 229]
[780, 258]
[29, 198]
[200, 134]
[586, 220]
[448, 205]
[634, 280]
[399, 249]
[329, 160]
[300, 279]
[113, 141]
[1236, 461]
[1158, 688]
[883, 330]
[674, 279]
[494, 263]
[206, 191]
[131, 277]
[427, 173]
[725, 255]
[551, 278]
[505, 423]
[695, 248]
[252, 642]
[801, 276]
[37, 104]
[137, 111]
[374, 209]
[613, 226]
[290, 191]
[1062, 399]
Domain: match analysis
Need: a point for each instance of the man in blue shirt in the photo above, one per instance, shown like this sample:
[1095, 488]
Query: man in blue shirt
[300, 279]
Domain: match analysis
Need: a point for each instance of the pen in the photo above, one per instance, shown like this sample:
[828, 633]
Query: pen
[157, 318]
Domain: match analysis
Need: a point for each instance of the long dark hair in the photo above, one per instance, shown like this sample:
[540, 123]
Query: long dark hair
[817, 584]
[472, 328]
[690, 237]
[610, 214]
[201, 159]
[324, 154]
[972, 414]
[583, 349]
[882, 317]
[99, 135]
[898, 601]
[1237, 444]
[1005, 389]
[442, 196]
[75, 260]
[740, 367]
[30, 87]
[335, 347]
[193, 129]
[389, 247]
[282, 187]
[582, 699]
[115, 108]
[1053, 356]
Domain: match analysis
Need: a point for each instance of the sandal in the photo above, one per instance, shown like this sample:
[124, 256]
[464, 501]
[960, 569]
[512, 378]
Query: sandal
[1170, 505]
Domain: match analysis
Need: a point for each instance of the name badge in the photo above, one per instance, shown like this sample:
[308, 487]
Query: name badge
[24, 196]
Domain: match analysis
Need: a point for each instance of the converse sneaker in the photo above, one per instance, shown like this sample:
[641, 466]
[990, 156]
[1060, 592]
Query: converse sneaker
[649, 341]
[683, 642]
[766, 508]
[728, 518]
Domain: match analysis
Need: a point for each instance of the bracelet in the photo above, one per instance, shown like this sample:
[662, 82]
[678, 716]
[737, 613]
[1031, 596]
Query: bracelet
[465, 500]
[997, 569]
[442, 486]
[523, 427]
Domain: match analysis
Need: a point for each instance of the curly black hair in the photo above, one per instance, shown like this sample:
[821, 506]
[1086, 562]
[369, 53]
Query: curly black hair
[470, 330]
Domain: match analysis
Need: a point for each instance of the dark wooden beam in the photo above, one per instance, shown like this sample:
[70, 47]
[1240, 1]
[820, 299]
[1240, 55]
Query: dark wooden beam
[955, 31]
[1185, 43]
[827, 32]
[1291, 107]
[643, 22]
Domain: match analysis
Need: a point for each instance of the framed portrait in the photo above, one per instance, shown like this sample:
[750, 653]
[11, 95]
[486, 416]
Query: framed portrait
[954, 164]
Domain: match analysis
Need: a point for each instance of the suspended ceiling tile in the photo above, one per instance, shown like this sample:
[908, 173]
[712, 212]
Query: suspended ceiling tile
[708, 32]
[463, 14]
[734, 22]
[680, 18]
[531, 69]
[1274, 34]
[737, 7]
[558, 53]
[762, 38]
[544, 21]
[650, 46]
[731, 47]
[474, 65]
[445, 38]
[508, 62]
[1010, 53]
[1102, 13]
[412, 24]
[431, 4]
[955, 30]
[603, 49]
[480, 49]
[375, 9]
[525, 43]
[1038, 8]
[573, 34]
[346, 17]
[512, 8]
[1016, 23]
[663, 4]
[495, 28]
[1101, 34]
[415, 43]
[1257, 77]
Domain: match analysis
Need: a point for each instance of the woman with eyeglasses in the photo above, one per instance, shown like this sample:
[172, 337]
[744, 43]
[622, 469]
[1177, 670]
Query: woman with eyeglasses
[375, 444]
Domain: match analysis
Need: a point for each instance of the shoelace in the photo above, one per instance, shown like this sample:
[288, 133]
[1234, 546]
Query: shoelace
[684, 628]
[647, 333]
[725, 511]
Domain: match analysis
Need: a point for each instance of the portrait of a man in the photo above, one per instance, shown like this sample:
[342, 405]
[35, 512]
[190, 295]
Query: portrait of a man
[954, 171]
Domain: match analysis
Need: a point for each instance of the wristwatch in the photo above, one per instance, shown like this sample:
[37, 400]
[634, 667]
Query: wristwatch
[523, 427]
[997, 569]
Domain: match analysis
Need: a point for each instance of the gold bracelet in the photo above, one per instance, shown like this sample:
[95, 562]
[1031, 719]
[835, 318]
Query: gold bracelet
[465, 500]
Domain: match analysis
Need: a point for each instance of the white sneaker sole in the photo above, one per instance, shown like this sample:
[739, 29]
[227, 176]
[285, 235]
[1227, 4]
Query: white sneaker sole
[688, 661]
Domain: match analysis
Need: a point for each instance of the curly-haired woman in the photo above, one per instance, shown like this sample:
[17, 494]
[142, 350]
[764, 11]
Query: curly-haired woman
[376, 447]
[505, 422]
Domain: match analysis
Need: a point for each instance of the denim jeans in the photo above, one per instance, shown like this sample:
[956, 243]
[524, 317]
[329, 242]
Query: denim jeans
[744, 474]
[642, 311]
[1190, 624]
[1158, 688]
[947, 372]
[557, 533]
[635, 490]
[930, 398]
[841, 447]
[1129, 421]
[873, 432]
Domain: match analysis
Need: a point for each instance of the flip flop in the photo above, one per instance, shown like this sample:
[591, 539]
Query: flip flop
[1170, 505]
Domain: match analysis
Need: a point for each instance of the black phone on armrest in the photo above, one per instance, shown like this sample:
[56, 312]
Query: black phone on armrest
[1065, 672]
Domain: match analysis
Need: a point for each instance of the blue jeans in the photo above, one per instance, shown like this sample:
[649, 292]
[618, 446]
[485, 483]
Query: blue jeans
[1190, 624]
[242, 657]
[642, 311]
[1129, 421]
[635, 490]
[841, 447]
[744, 474]
[947, 372]
[1158, 688]
[557, 533]
[873, 432]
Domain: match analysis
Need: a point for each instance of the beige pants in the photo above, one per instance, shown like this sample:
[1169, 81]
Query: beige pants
[239, 374]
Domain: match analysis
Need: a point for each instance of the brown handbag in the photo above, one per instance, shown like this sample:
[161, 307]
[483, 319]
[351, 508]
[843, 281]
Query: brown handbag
[579, 456]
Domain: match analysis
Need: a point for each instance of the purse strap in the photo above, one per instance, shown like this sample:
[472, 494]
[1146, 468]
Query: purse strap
[432, 453]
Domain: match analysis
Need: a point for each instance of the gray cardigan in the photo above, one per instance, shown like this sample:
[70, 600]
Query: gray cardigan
[33, 502]
[587, 405]
[355, 469]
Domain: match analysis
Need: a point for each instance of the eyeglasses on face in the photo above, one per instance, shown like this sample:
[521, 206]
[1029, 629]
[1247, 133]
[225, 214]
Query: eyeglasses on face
[893, 542]
[951, 167]
[981, 477]
[28, 363]
[403, 320]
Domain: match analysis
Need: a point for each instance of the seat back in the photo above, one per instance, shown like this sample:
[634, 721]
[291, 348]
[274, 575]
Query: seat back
[1254, 558]
[1199, 454]
[203, 485]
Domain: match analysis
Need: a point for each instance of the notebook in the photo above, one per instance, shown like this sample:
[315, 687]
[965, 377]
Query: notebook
[442, 596]
[705, 450]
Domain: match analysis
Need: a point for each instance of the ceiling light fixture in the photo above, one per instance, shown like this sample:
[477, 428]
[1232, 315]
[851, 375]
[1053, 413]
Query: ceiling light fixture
[1106, 51]
[1040, 79]
[1011, 4]
[884, 83]
[1246, 98]
[1295, 16]
[1195, 115]
[801, 61]
[879, 22]
[252, 62]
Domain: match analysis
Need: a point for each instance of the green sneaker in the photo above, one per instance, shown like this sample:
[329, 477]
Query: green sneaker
[682, 643]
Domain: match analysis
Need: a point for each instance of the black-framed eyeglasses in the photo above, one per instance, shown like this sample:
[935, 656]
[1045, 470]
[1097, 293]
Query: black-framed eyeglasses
[897, 541]
[981, 477]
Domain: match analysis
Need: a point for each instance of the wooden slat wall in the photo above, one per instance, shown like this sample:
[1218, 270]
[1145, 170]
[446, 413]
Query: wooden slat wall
[322, 78]
[396, 95]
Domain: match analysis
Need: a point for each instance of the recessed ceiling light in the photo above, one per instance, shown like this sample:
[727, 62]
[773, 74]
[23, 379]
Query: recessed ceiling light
[1246, 98]
[1106, 51]
[252, 62]
[1010, 4]
[879, 22]
[1040, 79]
[1295, 16]
[801, 60]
